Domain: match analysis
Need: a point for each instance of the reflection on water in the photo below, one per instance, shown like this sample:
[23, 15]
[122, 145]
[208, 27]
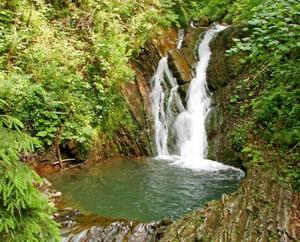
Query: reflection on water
[143, 190]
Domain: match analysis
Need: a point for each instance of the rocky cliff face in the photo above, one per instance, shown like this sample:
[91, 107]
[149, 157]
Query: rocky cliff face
[221, 78]
[137, 96]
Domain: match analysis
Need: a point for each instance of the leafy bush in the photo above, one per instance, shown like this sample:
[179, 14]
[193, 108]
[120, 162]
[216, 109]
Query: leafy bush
[216, 9]
[241, 10]
[292, 174]
[272, 32]
[238, 137]
[62, 63]
[24, 212]
[272, 51]
[277, 108]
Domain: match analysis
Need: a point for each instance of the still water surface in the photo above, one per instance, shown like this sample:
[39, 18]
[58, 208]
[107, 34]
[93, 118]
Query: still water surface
[143, 190]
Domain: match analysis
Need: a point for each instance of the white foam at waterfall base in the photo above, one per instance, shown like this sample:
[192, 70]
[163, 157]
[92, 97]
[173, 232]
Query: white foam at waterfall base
[203, 165]
[187, 123]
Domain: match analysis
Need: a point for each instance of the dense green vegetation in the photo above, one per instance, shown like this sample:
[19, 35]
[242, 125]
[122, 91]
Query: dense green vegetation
[270, 50]
[62, 64]
[24, 212]
[58, 70]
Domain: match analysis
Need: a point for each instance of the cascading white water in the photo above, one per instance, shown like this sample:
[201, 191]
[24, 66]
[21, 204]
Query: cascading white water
[190, 125]
[186, 125]
[192, 24]
[164, 114]
[180, 38]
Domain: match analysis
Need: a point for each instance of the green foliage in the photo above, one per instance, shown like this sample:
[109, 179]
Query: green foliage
[238, 137]
[291, 173]
[181, 12]
[234, 99]
[236, 11]
[253, 155]
[24, 212]
[272, 41]
[241, 10]
[277, 110]
[216, 9]
[273, 29]
[62, 64]
[273, 35]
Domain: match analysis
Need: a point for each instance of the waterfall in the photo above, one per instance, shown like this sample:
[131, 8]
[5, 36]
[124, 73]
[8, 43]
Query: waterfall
[192, 24]
[180, 128]
[190, 125]
[180, 38]
[163, 103]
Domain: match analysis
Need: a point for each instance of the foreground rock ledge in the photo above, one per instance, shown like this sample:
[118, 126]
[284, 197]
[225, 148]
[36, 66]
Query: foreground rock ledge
[261, 210]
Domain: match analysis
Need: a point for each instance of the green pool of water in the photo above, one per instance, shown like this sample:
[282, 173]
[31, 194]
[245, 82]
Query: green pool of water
[143, 190]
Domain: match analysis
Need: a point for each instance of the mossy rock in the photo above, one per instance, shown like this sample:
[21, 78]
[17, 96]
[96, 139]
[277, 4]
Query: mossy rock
[222, 68]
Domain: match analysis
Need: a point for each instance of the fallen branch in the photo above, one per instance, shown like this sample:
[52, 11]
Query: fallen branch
[70, 167]
[62, 161]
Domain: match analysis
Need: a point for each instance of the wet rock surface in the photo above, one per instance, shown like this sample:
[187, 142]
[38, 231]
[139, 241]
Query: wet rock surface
[91, 228]
[49, 192]
[179, 66]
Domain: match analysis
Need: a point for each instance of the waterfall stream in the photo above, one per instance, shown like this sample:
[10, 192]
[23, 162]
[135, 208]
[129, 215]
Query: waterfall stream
[181, 35]
[180, 134]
